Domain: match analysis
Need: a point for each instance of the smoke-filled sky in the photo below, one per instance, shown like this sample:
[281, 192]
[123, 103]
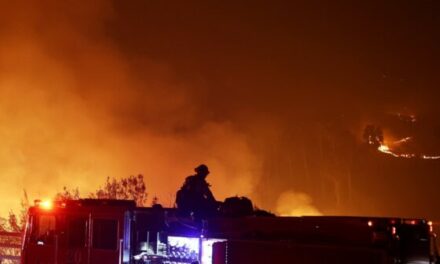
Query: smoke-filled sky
[272, 95]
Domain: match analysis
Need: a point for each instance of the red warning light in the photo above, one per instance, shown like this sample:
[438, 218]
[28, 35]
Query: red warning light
[410, 222]
[45, 204]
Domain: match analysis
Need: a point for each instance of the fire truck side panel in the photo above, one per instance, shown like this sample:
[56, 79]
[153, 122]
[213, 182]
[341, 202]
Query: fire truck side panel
[75, 234]
[105, 233]
[42, 241]
[259, 252]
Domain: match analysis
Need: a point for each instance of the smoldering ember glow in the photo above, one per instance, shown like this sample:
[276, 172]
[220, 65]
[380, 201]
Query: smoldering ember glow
[272, 96]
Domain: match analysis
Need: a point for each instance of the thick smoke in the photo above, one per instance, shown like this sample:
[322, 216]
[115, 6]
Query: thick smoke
[272, 97]
[73, 110]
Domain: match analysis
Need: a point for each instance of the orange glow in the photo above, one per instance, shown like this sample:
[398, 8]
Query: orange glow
[83, 98]
[46, 205]
[292, 203]
[74, 110]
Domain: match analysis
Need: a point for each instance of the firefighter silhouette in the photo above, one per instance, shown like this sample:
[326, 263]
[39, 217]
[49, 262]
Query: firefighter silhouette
[194, 197]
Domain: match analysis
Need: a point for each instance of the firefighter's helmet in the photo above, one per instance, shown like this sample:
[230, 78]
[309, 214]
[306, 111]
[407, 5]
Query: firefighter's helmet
[202, 169]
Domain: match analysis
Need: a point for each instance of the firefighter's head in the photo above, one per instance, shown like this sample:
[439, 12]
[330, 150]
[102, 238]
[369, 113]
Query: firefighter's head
[202, 170]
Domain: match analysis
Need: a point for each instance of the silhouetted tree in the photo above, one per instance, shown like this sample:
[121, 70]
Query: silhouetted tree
[130, 188]
[67, 194]
[14, 222]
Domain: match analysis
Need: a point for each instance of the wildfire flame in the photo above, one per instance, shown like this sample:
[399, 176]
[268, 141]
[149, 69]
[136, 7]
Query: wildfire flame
[387, 150]
[375, 137]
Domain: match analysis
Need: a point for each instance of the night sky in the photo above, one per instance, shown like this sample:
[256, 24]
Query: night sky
[272, 95]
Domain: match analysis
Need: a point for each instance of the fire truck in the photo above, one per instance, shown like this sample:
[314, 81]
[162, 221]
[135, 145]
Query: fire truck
[91, 231]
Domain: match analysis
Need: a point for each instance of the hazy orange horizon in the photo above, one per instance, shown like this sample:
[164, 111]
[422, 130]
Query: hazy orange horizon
[272, 97]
